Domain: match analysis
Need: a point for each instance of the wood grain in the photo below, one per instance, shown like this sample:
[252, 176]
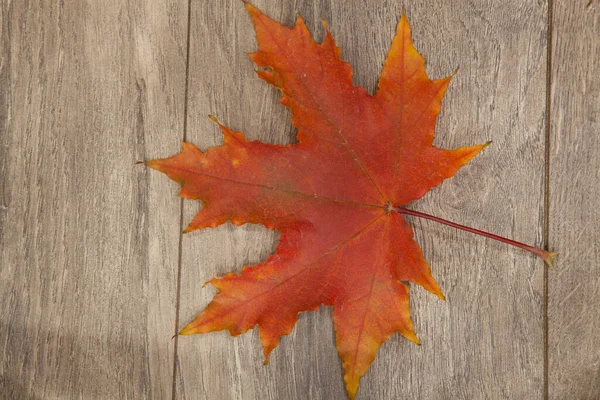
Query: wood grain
[88, 240]
[574, 286]
[486, 341]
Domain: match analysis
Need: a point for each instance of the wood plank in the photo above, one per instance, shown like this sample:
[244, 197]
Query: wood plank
[88, 240]
[574, 286]
[486, 341]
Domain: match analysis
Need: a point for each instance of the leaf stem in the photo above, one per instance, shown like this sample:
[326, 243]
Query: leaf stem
[547, 256]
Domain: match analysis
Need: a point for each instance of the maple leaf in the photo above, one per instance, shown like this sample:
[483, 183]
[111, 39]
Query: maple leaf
[335, 196]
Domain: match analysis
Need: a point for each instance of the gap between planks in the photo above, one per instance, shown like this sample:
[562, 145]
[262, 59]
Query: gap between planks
[180, 249]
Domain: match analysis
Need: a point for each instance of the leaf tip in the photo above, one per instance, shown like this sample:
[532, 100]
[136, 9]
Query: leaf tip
[188, 330]
[411, 335]
[192, 226]
[154, 164]
[433, 287]
[253, 11]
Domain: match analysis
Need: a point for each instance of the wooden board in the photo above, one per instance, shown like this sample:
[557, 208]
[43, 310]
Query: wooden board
[487, 340]
[88, 240]
[574, 286]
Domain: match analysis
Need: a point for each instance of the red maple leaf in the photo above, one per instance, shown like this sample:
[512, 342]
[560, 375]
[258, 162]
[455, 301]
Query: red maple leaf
[334, 196]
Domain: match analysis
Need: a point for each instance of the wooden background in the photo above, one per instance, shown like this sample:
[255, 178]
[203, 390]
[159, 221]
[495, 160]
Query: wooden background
[95, 276]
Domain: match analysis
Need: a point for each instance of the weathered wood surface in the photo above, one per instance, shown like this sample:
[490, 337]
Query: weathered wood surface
[574, 287]
[88, 240]
[486, 341]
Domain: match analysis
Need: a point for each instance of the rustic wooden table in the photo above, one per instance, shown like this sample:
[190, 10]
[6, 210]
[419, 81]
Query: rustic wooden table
[95, 275]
